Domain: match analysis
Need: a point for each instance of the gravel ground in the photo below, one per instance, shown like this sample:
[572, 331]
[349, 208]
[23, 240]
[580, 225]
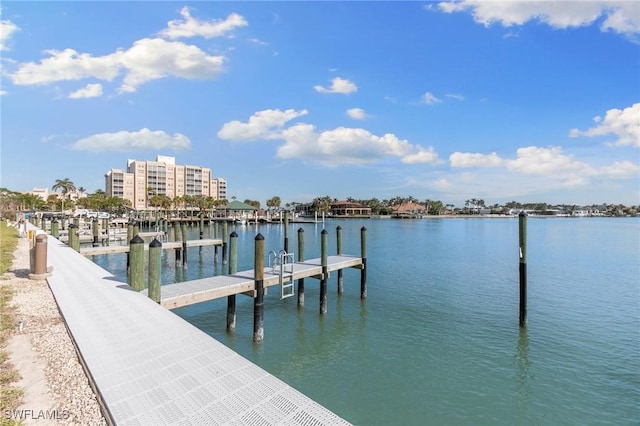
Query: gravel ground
[66, 382]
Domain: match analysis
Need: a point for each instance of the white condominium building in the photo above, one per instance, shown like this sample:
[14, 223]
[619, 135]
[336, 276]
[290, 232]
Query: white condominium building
[143, 179]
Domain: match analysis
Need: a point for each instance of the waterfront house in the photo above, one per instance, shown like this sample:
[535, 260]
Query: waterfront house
[349, 209]
[409, 210]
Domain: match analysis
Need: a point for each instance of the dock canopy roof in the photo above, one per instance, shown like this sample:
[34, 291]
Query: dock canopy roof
[237, 205]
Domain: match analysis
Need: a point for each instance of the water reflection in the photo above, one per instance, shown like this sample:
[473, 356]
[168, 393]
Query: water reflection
[523, 385]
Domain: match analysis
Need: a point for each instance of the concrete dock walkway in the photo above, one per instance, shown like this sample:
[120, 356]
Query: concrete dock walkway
[151, 367]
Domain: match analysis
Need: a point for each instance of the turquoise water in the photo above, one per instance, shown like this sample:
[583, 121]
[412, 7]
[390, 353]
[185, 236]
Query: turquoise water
[437, 340]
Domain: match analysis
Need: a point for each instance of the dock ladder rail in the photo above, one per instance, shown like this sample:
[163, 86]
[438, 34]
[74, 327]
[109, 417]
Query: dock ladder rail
[282, 264]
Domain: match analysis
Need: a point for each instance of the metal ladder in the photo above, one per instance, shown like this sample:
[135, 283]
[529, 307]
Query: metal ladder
[282, 264]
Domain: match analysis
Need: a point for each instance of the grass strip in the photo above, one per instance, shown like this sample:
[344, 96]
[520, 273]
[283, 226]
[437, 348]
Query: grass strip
[10, 396]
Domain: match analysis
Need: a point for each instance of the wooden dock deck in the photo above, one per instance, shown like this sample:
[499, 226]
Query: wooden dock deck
[201, 290]
[150, 367]
[94, 251]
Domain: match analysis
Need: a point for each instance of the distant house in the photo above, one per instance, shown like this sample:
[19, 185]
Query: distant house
[349, 208]
[409, 210]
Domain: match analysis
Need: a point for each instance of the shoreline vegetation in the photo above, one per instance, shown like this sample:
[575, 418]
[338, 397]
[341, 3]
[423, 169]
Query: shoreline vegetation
[10, 395]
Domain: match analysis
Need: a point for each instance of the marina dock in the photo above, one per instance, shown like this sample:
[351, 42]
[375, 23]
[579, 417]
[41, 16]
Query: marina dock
[201, 290]
[94, 251]
[149, 366]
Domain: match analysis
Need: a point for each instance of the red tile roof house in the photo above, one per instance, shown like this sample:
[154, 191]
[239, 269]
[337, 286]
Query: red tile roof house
[409, 210]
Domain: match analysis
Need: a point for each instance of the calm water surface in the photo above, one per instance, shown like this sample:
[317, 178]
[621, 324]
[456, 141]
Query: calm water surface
[437, 340]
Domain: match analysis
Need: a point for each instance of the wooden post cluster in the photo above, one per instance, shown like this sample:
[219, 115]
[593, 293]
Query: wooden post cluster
[522, 234]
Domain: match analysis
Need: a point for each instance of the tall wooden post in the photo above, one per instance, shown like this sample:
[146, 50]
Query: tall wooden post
[233, 268]
[136, 228]
[43, 224]
[136, 263]
[301, 259]
[215, 248]
[74, 238]
[62, 221]
[184, 245]
[363, 271]
[258, 300]
[224, 242]
[522, 233]
[286, 231]
[96, 231]
[339, 252]
[155, 269]
[323, 279]
[129, 230]
[54, 228]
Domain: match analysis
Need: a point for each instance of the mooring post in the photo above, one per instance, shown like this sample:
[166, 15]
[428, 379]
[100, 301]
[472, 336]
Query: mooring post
[136, 263]
[286, 231]
[301, 259]
[233, 268]
[62, 222]
[224, 243]
[323, 280]
[136, 228]
[339, 252]
[155, 269]
[522, 228]
[258, 300]
[43, 224]
[55, 233]
[96, 231]
[39, 270]
[129, 230]
[74, 238]
[184, 245]
[201, 229]
[215, 248]
[363, 271]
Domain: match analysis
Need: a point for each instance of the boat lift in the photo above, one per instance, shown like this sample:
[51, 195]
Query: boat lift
[281, 264]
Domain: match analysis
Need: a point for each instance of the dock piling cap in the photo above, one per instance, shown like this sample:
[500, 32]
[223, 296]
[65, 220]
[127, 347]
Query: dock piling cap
[155, 243]
[137, 240]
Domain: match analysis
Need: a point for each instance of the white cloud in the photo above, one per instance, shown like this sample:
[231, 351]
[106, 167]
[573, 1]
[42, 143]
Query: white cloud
[146, 60]
[265, 124]
[3, 93]
[125, 141]
[338, 85]
[466, 159]
[357, 113]
[7, 30]
[622, 17]
[550, 163]
[455, 96]
[429, 99]
[192, 27]
[258, 41]
[151, 59]
[340, 146]
[624, 124]
[89, 91]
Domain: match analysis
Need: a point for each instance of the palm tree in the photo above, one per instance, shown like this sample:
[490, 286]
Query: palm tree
[65, 186]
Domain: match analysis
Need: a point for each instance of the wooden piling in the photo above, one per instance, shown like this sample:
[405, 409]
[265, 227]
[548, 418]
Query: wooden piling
[63, 222]
[258, 300]
[323, 279]
[339, 252]
[215, 248]
[129, 230]
[136, 263]
[96, 231]
[74, 238]
[43, 224]
[184, 245]
[233, 268]
[522, 233]
[224, 243]
[301, 259]
[286, 231]
[155, 269]
[363, 271]
[55, 233]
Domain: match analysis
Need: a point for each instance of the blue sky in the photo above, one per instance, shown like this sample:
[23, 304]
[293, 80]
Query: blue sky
[500, 101]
